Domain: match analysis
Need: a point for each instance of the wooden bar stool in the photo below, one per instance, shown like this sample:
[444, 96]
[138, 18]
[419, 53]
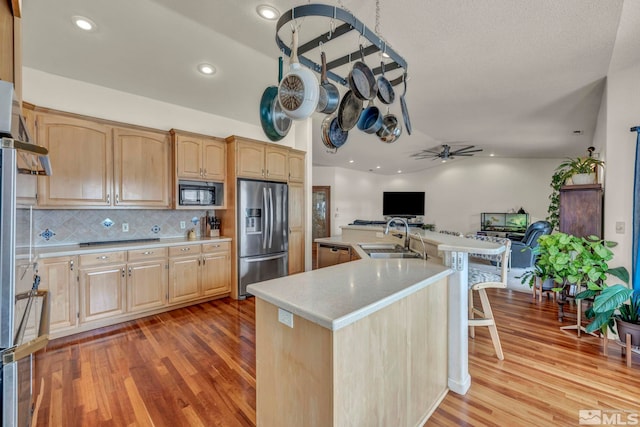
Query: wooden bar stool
[479, 281]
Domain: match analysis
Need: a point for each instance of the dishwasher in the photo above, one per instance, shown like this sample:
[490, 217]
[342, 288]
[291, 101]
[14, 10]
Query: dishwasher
[331, 255]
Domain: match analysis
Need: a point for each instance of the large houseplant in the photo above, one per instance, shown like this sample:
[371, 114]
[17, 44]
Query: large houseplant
[617, 304]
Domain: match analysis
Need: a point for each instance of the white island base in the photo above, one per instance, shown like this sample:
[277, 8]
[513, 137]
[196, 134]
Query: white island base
[387, 369]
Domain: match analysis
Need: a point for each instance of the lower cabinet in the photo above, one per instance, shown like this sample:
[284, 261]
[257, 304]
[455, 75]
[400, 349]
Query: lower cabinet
[107, 287]
[59, 276]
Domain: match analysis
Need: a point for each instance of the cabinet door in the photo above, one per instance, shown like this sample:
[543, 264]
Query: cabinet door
[250, 159]
[188, 157]
[141, 168]
[59, 277]
[81, 154]
[146, 285]
[214, 160]
[296, 166]
[216, 273]
[276, 163]
[102, 292]
[296, 228]
[184, 279]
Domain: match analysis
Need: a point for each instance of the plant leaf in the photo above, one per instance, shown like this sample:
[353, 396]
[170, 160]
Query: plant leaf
[620, 272]
[601, 319]
[611, 298]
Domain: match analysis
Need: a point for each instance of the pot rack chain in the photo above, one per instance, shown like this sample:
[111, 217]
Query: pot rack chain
[350, 23]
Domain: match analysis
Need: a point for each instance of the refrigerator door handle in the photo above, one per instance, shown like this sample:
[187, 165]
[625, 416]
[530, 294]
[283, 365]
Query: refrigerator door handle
[266, 258]
[265, 209]
[270, 217]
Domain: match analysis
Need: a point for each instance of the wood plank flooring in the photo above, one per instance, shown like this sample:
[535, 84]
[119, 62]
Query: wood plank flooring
[196, 367]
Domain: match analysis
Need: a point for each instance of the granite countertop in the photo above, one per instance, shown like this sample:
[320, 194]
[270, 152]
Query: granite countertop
[66, 250]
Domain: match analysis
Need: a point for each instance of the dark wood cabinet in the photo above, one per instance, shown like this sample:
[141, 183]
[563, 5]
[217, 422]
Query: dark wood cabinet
[581, 210]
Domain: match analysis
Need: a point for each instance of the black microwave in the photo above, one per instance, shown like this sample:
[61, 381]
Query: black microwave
[195, 193]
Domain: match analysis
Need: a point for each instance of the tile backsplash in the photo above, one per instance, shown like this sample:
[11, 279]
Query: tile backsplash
[67, 227]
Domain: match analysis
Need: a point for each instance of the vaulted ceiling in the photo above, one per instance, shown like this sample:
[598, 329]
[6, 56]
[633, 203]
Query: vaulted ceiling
[517, 78]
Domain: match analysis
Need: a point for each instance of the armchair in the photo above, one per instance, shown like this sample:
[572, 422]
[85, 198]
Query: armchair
[522, 254]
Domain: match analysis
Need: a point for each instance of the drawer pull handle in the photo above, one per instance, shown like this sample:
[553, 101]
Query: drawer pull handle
[147, 253]
[103, 257]
[185, 249]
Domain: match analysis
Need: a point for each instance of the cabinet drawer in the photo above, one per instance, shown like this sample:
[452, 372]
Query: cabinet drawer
[184, 250]
[149, 253]
[216, 247]
[102, 258]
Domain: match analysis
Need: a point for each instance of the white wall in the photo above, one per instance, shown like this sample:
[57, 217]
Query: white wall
[621, 112]
[456, 192]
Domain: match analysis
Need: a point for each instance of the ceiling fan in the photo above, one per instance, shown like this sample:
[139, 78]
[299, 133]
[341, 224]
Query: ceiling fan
[446, 152]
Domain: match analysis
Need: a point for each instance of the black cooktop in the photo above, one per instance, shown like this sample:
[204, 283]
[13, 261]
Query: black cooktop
[113, 242]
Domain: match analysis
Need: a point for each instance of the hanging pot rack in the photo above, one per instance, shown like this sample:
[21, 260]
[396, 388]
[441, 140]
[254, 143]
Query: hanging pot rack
[350, 23]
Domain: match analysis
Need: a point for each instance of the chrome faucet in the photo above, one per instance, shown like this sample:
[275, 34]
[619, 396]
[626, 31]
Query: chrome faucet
[406, 230]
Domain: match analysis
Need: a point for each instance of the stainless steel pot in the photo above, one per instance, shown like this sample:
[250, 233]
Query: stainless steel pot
[329, 97]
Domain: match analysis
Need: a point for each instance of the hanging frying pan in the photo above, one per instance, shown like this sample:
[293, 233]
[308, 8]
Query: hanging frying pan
[349, 111]
[362, 80]
[403, 104]
[386, 94]
[332, 136]
[329, 97]
[275, 123]
[298, 91]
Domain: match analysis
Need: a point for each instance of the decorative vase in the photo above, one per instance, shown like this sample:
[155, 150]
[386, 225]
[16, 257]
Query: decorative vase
[625, 328]
[583, 178]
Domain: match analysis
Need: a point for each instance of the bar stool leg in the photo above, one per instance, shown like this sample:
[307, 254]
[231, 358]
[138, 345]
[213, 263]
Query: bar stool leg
[493, 330]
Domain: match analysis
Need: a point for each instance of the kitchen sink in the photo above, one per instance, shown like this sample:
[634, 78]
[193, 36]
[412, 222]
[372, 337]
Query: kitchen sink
[388, 250]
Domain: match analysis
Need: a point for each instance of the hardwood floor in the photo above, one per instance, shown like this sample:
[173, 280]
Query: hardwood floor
[196, 366]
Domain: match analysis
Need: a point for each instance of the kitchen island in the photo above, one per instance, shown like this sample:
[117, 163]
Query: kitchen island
[368, 342]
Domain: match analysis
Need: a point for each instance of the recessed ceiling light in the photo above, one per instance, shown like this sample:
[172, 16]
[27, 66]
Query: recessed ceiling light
[399, 171]
[268, 12]
[351, 161]
[206, 69]
[377, 167]
[444, 161]
[84, 23]
[491, 155]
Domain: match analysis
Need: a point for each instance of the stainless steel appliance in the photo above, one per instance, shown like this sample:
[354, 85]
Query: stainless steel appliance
[23, 331]
[262, 232]
[329, 255]
[198, 193]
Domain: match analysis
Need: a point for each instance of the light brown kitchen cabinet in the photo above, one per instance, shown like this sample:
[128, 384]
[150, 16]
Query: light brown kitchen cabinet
[59, 276]
[141, 168]
[97, 165]
[261, 160]
[296, 228]
[296, 166]
[146, 279]
[184, 273]
[200, 158]
[102, 286]
[216, 268]
[11, 44]
[81, 156]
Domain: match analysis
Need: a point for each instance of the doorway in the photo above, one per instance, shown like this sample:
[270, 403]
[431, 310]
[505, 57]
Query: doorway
[321, 217]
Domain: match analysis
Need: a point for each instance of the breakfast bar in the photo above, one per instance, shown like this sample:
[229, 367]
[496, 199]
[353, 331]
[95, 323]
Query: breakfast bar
[367, 342]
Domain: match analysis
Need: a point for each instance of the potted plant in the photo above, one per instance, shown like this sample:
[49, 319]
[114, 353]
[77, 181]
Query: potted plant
[570, 262]
[580, 170]
[617, 304]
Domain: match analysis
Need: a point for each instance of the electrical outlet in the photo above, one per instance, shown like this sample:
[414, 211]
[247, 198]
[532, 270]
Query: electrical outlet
[125, 227]
[183, 225]
[620, 227]
[285, 317]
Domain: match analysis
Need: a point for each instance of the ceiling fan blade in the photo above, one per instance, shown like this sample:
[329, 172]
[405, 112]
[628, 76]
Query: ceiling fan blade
[468, 151]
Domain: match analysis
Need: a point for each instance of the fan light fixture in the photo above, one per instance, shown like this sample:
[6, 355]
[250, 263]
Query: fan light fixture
[446, 152]
[268, 12]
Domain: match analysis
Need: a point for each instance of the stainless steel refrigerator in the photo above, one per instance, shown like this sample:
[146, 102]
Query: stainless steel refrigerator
[262, 232]
[23, 330]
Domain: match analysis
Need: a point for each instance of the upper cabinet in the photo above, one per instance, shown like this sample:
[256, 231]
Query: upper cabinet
[97, 165]
[11, 45]
[81, 158]
[260, 160]
[296, 166]
[199, 158]
[141, 168]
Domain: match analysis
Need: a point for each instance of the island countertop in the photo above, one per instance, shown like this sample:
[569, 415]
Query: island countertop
[334, 297]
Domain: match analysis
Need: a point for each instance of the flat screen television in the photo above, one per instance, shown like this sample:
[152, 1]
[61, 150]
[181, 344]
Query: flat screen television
[403, 203]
